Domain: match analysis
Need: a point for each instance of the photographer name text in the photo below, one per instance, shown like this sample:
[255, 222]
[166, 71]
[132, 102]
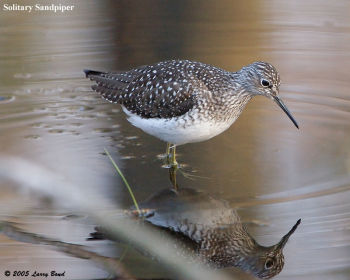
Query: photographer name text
[37, 7]
[28, 273]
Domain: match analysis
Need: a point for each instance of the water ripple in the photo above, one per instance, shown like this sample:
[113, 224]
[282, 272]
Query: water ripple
[317, 190]
[6, 99]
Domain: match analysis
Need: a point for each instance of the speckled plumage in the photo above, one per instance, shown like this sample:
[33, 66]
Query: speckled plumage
[211, 229]
[181, 101]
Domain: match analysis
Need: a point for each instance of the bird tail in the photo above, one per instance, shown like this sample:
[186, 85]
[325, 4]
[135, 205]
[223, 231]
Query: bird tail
[98, 234]
[89, 73]
[102, 234]
[109, 85]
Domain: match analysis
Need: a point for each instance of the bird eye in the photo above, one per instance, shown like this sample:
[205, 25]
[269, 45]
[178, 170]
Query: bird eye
[265, 83]
[269, 263]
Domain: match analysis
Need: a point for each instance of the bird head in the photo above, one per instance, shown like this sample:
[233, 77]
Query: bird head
[263, 79]
[269, 261]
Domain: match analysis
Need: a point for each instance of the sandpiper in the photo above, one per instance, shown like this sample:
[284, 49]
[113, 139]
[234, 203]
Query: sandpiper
[210, 228]
[182, 101]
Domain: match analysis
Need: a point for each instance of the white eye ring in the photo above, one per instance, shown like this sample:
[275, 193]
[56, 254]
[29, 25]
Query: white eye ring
[269, 263]
[265, 83]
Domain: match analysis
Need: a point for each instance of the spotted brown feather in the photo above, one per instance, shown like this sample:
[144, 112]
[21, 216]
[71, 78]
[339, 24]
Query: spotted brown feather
[154, 91]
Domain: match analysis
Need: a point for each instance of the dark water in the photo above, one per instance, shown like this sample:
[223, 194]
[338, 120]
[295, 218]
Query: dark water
[273, 172]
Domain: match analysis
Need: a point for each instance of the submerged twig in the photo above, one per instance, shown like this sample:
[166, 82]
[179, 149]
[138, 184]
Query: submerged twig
[100, 208]
[112, 265]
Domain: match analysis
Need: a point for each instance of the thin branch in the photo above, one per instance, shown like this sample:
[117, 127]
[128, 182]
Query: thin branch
[112, 265]
[124, 180]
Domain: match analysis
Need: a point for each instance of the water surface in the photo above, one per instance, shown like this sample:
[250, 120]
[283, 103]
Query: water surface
[273, 172]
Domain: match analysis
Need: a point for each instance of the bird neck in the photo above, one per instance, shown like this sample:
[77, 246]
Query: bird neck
[242, 247]
[234, 106]
[230, 247]
[243, 83]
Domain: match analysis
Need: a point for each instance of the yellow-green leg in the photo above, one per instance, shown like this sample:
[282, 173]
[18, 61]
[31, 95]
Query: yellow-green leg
[172, 176]
[170, 155]
[167, 151]
[173, 161]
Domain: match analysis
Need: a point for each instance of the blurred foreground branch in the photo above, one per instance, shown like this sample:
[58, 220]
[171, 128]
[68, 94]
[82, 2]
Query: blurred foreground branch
[91, 202]
[112, 265]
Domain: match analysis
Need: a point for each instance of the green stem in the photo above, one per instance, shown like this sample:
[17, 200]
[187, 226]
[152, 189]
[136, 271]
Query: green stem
[124, 180]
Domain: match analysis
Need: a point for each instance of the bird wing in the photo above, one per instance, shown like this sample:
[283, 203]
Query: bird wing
[189, 212]
[161, 90]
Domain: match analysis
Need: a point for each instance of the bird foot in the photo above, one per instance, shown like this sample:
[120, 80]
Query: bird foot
[171, 165]
[169, 161]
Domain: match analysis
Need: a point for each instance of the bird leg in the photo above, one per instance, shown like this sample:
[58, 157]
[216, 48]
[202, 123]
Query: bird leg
[173, 158]
[172, 176]
[167, 151]
[166, 157]
[170, 156]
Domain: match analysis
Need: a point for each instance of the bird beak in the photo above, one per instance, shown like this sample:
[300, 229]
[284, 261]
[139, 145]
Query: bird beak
[285, 238]
[285, 109]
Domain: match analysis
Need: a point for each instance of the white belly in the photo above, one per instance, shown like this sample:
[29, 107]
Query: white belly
[175, 131]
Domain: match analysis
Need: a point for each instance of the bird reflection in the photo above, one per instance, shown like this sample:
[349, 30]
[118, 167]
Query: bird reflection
[172, 177]
[211, 229]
